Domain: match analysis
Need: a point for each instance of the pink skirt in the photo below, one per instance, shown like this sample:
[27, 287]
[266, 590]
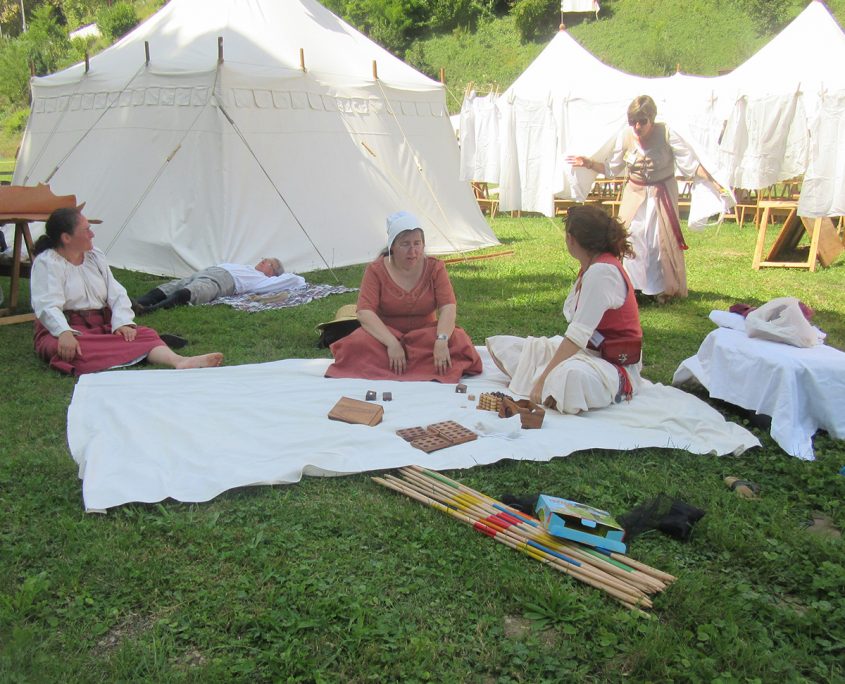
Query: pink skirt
[360, 355]
[101, 348]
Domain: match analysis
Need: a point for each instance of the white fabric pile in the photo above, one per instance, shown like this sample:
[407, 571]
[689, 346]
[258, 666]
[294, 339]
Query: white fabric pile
[192, 434]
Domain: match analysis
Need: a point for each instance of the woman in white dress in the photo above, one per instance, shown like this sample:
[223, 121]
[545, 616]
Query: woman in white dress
[84, 320]
[648, 153]
[597, 361]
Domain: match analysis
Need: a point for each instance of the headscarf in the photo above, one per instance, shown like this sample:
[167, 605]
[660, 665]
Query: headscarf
[398, 223]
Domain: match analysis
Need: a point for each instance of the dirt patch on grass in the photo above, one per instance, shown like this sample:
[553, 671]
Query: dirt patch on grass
[131, 627]
[517, 627]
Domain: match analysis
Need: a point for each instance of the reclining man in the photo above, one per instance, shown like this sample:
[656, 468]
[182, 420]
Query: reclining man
[224, 280]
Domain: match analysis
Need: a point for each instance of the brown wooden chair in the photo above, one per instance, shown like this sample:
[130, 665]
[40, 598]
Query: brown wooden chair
[684, 195]
[614, 188]
[487, 204]
[746, 205]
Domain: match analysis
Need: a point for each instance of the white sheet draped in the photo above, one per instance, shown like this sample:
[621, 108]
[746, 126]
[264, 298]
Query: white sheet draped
[192, 434]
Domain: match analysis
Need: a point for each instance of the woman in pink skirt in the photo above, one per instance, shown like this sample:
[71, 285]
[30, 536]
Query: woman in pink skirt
[84, 317]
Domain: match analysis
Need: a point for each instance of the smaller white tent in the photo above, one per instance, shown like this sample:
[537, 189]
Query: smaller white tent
[755, 126]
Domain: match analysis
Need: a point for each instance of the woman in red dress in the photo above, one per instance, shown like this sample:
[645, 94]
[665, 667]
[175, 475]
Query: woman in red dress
[407, 312]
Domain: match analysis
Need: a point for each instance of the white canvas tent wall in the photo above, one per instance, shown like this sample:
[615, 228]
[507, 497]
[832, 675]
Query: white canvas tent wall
[191, 162]
[752, 126]
[802, 63]
[566, 102]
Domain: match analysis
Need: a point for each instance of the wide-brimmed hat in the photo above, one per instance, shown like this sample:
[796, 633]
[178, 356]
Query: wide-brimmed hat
[348, 312]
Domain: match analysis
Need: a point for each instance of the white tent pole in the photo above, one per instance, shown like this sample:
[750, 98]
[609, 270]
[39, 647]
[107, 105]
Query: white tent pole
[157, 175]
[445, 217]
[273, 185]
[84, 135]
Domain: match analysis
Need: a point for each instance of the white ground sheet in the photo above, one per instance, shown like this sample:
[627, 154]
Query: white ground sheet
[192, 434]
[802, 389]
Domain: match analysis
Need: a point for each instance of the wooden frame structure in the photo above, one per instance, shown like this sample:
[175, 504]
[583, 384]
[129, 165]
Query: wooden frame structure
[825, 243]
[487, 204]
[22, 205]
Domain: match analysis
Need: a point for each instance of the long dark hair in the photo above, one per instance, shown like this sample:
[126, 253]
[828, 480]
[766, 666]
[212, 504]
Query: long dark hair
[62, 220]
[597, 231]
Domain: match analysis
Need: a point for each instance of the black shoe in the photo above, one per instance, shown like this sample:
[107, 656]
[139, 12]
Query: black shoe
[178, 298]
[151, 298]
[173, 341]
[138, 308]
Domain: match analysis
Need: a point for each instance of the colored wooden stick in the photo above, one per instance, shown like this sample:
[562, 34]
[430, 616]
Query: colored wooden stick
[537, 533]
[628, 598]
[642, 567]
[509, 527]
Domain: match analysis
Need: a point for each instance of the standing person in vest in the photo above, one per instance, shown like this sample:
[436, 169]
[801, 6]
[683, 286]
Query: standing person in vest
[597, 361]
[647, 153]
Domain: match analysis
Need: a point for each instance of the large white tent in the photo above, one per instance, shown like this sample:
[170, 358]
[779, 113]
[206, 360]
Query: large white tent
[776, 116]
[278, 139]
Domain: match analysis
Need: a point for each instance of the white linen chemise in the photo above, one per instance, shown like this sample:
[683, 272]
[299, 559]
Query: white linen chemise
[584, 381]
[56, 286]
[644, 269]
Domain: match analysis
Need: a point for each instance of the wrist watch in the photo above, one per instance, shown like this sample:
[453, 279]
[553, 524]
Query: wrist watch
[442, 336]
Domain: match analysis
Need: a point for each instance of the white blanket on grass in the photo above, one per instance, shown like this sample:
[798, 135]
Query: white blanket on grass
[192, 434]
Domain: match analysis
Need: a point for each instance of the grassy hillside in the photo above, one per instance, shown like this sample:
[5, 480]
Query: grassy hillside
[490, 58]
[646, 37]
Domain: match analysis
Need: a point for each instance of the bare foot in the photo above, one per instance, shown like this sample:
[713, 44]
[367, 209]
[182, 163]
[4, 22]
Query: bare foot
[203, 361]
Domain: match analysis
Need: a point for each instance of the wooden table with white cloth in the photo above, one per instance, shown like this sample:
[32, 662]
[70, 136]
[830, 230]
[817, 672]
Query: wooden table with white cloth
[802, 389]
[146, 435]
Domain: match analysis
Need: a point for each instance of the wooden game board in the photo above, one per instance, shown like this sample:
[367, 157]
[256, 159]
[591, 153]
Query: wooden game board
[437, 436]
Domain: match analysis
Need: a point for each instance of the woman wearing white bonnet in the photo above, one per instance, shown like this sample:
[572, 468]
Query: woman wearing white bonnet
[407, 311]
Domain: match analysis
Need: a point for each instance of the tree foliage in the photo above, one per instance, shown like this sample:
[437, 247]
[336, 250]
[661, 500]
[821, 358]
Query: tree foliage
[14, 72]
[116, 20]
[535, 18]
[46, 41]
[770, 15]
[80, 12]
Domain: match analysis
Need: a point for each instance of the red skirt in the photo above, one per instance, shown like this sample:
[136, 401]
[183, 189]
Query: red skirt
[101, 348]
[360, 355]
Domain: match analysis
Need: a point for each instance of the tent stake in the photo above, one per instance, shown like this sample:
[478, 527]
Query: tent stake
[87, 64]
[443, 75]
[302, 60]
[375, 70]
[220, 49]
[147, 52]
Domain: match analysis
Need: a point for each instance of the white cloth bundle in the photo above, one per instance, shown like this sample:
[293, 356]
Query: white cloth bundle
[781, 320]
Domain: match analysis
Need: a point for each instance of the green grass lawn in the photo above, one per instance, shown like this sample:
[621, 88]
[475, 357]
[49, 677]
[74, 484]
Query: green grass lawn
[341, 580]
[7, 168]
